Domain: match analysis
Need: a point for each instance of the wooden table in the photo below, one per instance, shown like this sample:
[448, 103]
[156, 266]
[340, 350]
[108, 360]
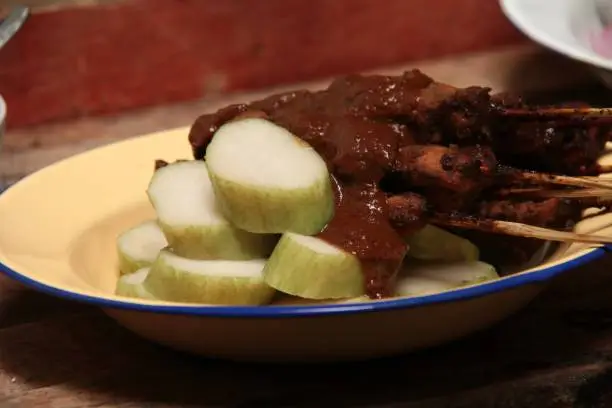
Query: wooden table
[555, 353]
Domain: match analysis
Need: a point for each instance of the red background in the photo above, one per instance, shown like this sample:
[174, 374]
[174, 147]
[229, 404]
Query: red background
[74, 62]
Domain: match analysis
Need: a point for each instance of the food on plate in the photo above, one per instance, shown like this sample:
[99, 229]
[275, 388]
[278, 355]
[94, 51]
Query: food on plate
[267, 180]
[138, 247]
[426, 277]
[189, 215]
[372, 175]
[131, 285]
[311, 268]
[219, 282]
[432, 243]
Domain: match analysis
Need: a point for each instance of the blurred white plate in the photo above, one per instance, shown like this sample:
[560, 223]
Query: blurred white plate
[565, 26]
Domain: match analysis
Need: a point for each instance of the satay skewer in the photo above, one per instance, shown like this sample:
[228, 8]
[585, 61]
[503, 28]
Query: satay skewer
[518, 229]
[531, 191]
[574, 114]
[408, 209]
[547, 193]
[468, 169]
[545, 178]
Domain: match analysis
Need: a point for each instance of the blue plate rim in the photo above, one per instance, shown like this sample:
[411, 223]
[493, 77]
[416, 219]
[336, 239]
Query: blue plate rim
[278, 311]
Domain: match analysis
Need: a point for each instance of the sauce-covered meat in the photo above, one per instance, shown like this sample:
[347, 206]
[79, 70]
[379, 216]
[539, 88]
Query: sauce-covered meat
[411, 136]
[354, 126]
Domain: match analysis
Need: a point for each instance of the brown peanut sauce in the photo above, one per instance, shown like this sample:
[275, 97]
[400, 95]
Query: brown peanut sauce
[361, 226]
[351, 125]
[432, 137]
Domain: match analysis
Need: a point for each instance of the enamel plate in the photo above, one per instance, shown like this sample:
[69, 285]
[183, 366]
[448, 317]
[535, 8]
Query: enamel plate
[58, 234]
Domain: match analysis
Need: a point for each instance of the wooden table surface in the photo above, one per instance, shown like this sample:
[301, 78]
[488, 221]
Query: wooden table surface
[555, 353]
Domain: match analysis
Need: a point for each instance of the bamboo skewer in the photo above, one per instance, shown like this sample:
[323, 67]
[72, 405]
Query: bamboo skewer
[574, 114]
[544, 193]
[520, 230]
[593, 182]
[534, 191]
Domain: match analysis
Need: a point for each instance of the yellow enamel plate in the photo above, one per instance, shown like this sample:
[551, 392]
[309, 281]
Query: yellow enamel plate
[58, 232]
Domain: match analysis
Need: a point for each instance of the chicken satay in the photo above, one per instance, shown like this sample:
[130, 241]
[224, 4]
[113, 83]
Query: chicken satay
[365, 128]
[412, 210]
[553, 212]
[414, 98]
[462, 170]
[411, 98]
[408, 212]
[557, 145]
[435, 113]
[386, 96]
[549, 147]
[447, 201]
